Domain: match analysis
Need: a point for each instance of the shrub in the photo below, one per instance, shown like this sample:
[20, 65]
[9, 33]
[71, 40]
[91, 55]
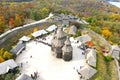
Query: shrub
[108, 58]
[1, 59]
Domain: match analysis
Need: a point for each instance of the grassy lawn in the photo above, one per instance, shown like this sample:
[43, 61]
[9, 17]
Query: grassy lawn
[106, 70]
[101, 69]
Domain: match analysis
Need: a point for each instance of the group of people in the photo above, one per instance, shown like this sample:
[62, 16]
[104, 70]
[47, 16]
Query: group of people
[84, 48]
[42, 41]
[77, 70]
[34, 76]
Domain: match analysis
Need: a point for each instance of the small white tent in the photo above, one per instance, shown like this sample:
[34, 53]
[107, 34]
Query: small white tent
[39, 33]
[25, 38]
[51, 28]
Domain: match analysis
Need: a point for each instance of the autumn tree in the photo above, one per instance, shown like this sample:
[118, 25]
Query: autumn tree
[11, 23]
[1, 59]
[7, 55]
[106, 33]
[2, 23]
[35, 29]
[115, 16]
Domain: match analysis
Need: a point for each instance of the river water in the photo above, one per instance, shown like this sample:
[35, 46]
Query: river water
[117, 4]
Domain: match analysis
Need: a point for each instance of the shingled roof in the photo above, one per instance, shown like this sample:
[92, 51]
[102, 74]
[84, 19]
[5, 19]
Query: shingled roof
[17, 48]
[87, 72]
[24, 77]
[73, 30]
[84, 38]
[91, 57]
[67, 47]
[5, 66]
[61, 34]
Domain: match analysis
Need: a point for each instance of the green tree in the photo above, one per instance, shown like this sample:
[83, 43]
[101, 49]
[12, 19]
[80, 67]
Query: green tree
[44, 12]
[31, 15]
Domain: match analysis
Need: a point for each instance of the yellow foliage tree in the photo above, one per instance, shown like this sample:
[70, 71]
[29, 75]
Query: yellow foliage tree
[7, 55]
[2, 23]
[1, 59]
[106, 33]
[115, 16]
[45, 10]
[106, 27]
[35, 29]
[2, 51]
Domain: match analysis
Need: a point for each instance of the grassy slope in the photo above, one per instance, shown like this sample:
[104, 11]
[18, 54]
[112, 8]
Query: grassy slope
[106, 69]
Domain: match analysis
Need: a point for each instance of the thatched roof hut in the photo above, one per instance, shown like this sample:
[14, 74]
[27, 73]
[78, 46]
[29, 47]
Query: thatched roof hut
[73, 30]
[87, 72]
[91, 57]
[84, 38]
[115, 51]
